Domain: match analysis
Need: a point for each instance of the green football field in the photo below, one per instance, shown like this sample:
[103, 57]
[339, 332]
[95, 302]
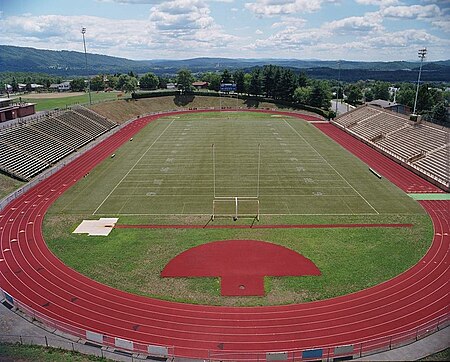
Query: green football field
[171, 168]
[170, 174]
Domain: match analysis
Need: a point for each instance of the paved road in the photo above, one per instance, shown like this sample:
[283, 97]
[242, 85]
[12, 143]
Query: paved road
[342, 107]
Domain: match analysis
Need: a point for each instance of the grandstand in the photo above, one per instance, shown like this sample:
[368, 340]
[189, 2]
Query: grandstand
[422, 146]
[31, 147]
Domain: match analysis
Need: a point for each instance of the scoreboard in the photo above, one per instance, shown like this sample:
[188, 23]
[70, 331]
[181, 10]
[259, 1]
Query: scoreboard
[228, 87]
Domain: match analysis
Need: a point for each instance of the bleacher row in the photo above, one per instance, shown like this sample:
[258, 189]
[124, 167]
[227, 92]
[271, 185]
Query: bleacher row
[28, 149]
[423, 146]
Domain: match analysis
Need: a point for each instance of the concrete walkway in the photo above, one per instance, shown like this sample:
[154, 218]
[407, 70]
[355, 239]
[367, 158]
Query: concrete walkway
[17, 327]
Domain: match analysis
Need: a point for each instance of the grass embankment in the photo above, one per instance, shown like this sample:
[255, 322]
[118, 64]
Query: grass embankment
[123, 110]
[27, 353]
[8, 185]
[43, 104]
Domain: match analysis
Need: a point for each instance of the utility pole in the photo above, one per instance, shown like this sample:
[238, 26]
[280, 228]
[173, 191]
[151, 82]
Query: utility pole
[422, 53]
[83, 31]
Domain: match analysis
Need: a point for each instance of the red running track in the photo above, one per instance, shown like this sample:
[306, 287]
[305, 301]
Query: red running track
[34, 276]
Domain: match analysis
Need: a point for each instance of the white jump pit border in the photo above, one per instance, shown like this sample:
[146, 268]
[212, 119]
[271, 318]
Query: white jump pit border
[101, 227]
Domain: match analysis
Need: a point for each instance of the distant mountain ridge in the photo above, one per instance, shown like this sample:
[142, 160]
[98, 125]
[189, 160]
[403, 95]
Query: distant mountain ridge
[72, 63]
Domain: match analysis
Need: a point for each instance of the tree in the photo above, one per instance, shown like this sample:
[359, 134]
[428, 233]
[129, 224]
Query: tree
[354, 94]
[320, 95]
[439, 114]
[149, 81]
[380, 91]
[77, 85]
[255, 86]
[302, 95]
[287, 84]
[113, 81]
[247, 81]
[14, 84]
[130, 85]
[184, 80]
[406, 94]
[226, 77]
[368, 95]
[239, 79]
[269, 80]
[213, 80]
[131, 74]
[163, 83]
[302, 80]
[97, 83]
[424, 99]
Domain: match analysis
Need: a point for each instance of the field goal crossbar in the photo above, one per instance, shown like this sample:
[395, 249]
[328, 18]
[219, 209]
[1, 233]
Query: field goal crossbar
[233, 209]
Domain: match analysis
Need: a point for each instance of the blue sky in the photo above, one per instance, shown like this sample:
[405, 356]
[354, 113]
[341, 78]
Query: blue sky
[179, 29]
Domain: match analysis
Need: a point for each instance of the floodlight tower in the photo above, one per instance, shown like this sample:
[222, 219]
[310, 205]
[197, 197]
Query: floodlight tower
[339, 86]
[83, 31]
[422, 52]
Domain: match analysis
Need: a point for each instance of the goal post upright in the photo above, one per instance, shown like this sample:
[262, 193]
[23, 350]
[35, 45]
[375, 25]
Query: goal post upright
[236, 200]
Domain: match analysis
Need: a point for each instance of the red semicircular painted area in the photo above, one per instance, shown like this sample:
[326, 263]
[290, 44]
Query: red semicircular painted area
[241, 264]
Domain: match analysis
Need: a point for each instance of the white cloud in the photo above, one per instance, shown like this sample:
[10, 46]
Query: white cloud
[411, 12]
[410, 38]
[289, 21]
[285, 7]
[289, 39]
[380, 3]
[183, 32]
[443, 25]
[369, 23]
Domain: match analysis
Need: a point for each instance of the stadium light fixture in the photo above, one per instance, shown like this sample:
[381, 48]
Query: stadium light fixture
[83, 31]
[422, 53]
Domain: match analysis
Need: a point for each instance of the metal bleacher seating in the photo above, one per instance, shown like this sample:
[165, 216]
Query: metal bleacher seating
[421, 145]
[28, 149]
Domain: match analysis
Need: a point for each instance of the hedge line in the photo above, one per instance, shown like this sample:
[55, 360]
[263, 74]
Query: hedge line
[173, 93]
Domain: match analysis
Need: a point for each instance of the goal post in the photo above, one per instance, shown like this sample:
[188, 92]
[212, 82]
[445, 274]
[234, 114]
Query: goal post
[235, 207]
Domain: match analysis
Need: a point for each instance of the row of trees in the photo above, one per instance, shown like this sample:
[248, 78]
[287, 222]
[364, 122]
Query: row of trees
[278, 83]
[270, 81]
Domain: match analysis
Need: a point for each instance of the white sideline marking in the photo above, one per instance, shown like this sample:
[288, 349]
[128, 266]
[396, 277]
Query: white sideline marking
[282, 214]
[131, 169]
[326, 161]
[101, 227]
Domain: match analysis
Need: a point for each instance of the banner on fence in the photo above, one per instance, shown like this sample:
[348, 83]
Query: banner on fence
[312, 353]
[158, 351]
[276, 356]
[95, 337]
[123, 343]
[343, 349]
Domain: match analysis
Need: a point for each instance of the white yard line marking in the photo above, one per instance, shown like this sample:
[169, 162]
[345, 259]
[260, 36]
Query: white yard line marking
[131, 169]
[342, 177]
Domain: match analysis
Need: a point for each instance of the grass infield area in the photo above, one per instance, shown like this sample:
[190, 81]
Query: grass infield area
[168, 175]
